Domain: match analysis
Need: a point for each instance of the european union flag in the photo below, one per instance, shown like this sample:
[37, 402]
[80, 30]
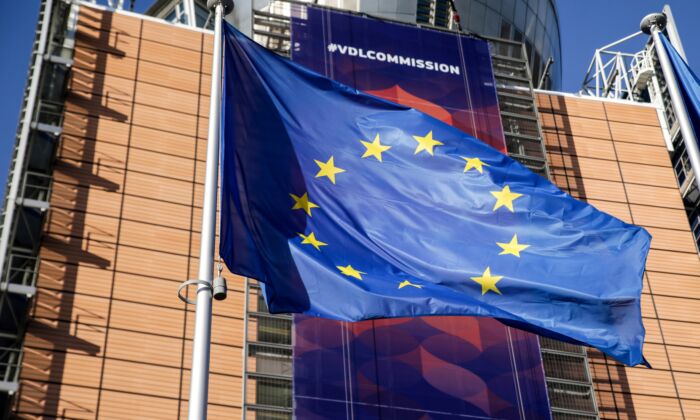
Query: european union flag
[350, 207]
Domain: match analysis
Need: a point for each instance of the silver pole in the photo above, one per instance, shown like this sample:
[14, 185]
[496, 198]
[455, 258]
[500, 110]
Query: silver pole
[199, 382]
[653, 24]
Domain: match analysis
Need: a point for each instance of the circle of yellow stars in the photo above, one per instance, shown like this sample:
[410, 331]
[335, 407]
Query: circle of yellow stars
[426, 143]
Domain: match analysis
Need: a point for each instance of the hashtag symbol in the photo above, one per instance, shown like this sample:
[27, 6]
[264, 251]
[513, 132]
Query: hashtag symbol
[332, 47]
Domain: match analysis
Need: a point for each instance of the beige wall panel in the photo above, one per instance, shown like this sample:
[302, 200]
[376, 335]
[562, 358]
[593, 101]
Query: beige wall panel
[218, 412]
[163, 142]
[159, 188]
[141, 378]
[203, 128]
[157, 212]
[630, 113]
[547, 122]
[157, 52]
[144, 348]
[659, 217]
[107, 42]
[71, 250]
[691, 408]
[674, 284]
[166, 33]
[222, 388]
[225, 331]
[65, 336]
[596, 189]
[68, 368]
[102, 129]
[151, 263]
[584, 127]
[76, 278]
[208, 43]
[97, 61]
[672, 240]
[88, 174]
[154, 237]
[87, 150]
[577, 107]
[677, 309]
[586, 147]
[206, 67]
[159, 164]
[147, 290]
[114, 108]
[205, 88]
[619, 210]
[680, 333]
[585, 167]
[232, 306]
[163, 75]
[225, 360]
[147, 319]
[89, 200]
[648, 311]
[119, 406]
[108, 21]
[633, 407]
[72, 307]
[648, 174]
[643, 381]
[654, 196]
[673, 262]
[637, 133]
[64, 401]
[642, 154]
[99, 84]
[162, 119]
[684, 359]
[688, 385]
[167, 97]
[83, 225]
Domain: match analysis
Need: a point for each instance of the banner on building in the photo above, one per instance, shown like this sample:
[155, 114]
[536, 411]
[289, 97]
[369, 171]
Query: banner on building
[444, 367]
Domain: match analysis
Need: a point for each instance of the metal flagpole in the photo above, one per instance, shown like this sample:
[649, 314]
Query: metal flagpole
[199, 381]
[653, 24]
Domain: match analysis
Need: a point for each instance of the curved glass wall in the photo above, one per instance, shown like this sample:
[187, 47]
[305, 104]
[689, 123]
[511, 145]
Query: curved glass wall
[534, 22]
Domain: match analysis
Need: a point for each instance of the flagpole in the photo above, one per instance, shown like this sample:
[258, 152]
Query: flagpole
[653, 24]
[199, 381]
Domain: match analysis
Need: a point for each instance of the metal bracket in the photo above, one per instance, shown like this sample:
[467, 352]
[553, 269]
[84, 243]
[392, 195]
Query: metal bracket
[185, 284]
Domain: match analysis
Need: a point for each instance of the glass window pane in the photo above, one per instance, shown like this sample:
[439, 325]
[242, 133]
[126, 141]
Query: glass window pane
[477, 17]
[508, 10]
[520, 14]
[493, 23]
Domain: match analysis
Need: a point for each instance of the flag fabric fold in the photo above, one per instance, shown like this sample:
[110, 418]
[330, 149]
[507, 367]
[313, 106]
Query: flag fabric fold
[350, 207]
[688, 82]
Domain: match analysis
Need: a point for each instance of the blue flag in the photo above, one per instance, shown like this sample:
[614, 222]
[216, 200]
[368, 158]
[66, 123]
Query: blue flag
[350, 207]
[688, 83]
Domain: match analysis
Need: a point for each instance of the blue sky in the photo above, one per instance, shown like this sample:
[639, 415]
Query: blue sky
[585, 26]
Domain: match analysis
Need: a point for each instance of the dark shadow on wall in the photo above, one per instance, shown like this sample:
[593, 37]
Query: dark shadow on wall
[608, 376]
[50, 330]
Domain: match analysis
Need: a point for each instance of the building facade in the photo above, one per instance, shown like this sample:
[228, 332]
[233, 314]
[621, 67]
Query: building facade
[106, 225]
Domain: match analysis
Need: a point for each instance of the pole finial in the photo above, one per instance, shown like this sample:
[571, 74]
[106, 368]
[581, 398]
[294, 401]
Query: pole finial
[651, 20]
[228, 5]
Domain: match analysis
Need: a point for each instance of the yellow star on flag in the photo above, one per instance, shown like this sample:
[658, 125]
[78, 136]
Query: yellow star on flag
[310, 239]
[408, 283]
[475, 163]
[504, 198]
[426, 143]
[303, 203]
[375, 148]
[328, 169]
[350, 272]
[488, 282]
[512, 247]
